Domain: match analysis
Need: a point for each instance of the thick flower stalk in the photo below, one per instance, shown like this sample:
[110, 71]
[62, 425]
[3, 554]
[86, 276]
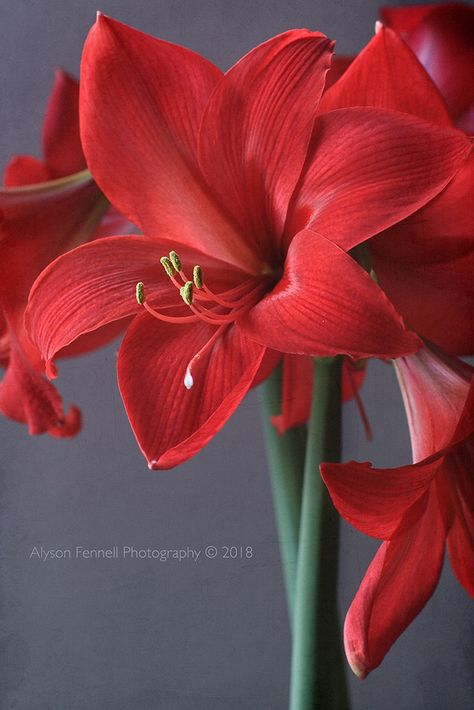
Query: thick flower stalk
[250, 195]
[417, 510]
[47, 207]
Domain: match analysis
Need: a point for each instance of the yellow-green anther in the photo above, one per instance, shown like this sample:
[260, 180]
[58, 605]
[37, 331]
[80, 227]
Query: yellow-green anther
[197, 276]
[186, 292]
[140, 293]
[175, 260]
[168, 266]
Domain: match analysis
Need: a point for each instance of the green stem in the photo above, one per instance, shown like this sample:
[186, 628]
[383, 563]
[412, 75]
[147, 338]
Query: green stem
[286, 462]
[318, 670]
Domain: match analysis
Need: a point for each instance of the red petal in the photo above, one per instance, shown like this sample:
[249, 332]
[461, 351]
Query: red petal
[25, 170]
[93, 285]
[387, 75]
[435, 390]
[142, 102]
[38, 223]
[61, 139]
[465, 122]
[381, 502]
[401, 578]
[461, 534]
[443, 41]
[338, 66]
[26, 396]
[432, 296]
[326, 304]
[269, 362]
[112, 224]
[172, 423]
[297, 386]
[425, 265]
[405, 19]
[95, 339]
[370, 169]
[257, 128]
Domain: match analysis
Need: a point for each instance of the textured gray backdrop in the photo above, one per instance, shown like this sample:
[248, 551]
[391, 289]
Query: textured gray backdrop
[80, 634]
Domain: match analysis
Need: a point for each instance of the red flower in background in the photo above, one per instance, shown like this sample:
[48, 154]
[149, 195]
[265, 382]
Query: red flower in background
[234, 171]
[416, 509]
[48, 207]
[442, 37]
[425, 262]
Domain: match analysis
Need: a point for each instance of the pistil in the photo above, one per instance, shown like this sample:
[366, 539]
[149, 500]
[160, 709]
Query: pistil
[188, 377]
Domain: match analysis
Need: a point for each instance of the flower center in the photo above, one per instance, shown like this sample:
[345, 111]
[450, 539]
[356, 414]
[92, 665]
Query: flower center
[219, 309]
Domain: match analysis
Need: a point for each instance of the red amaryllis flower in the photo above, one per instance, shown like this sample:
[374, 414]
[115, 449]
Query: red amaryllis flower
[442, 37]
[416, 509]
[425, 262]
[235, 172]
[43, 212]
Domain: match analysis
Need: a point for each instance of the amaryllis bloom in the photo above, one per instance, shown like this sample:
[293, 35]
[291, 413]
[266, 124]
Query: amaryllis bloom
[442, 37]
[251, 201]
[415, 509]
[44, 211]
[425, 262]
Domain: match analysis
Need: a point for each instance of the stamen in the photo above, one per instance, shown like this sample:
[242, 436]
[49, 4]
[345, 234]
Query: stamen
[221, 318]
[219, 309]
[140, 296]
[140, 293]
[170, 319]
[197, 276]
[233, 292]
[175, 260]
[168, 266]
[186, 293]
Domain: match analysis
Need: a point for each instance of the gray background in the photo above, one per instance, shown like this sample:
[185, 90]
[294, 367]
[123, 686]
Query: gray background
[212, 635]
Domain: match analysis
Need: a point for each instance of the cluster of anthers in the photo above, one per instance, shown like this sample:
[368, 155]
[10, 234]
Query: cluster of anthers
[219, 309]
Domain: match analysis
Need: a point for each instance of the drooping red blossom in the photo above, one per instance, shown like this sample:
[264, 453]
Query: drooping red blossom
[425, 262]
[235, 172]
[415, 509]
[442, 37]
[48, 207]
[61, 141]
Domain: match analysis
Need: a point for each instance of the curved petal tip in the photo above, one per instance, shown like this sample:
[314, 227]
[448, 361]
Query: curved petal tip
[357, 668]
[51, 370]
[354, 657]
[69, 425]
